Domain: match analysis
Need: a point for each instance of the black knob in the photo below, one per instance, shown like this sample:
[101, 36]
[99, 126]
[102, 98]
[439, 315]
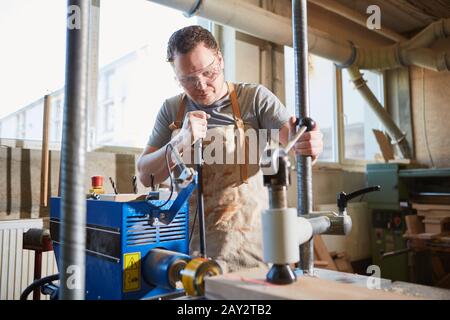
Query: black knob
[309, 123]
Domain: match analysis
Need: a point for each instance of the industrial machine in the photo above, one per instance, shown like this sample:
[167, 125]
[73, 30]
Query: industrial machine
[139, 249]
[402, 185]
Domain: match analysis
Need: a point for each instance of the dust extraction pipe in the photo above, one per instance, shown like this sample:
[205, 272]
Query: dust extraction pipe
[266, 25]
[413, 52]
[398, 136]
[262, 24]
[73, 154]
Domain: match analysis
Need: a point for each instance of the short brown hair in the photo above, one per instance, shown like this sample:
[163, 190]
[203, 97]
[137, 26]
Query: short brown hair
[186, 39]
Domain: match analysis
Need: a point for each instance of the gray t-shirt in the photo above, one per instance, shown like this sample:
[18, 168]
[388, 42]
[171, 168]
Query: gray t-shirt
[259, 107]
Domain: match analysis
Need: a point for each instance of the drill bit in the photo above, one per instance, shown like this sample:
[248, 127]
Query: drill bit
[134, 179]
[113, 185]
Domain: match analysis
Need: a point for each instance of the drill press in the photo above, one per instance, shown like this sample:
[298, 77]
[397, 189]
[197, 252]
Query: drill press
[283, 230]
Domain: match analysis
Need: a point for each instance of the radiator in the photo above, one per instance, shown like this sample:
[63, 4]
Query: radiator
[16, 264]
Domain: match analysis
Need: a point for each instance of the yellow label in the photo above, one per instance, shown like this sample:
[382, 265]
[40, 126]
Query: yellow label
[131, 271]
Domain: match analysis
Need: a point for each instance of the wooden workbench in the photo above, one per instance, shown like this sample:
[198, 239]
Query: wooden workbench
[251, 285]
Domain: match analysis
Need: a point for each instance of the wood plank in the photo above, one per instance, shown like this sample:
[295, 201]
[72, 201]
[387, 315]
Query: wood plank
[436, 225]
[343, 263]
[428, 207]
[433, 214]
[387, 151]
[321, 252]
[251, 285]
[320, 264]
[45, 154]
[18, 269]
[414, 225]
[428, 236]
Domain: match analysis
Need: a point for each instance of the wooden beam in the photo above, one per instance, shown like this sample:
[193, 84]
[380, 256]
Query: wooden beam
[45, 155]
[321, 252]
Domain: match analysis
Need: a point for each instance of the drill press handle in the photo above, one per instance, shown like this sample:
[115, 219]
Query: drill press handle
[343, 198]
[306, 124]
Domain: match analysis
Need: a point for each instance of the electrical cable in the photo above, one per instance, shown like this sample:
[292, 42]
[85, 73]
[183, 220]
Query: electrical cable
[171, 183]
[37, 284]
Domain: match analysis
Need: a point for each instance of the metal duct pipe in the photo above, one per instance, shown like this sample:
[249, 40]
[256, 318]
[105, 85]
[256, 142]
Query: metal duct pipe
[429, 59]
[73, 199]
[377, 108]
[415, 51]
[436, 30]
[304, 166]
[260, 23]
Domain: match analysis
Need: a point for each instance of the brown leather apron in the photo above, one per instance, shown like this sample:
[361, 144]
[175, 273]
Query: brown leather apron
[234, 197]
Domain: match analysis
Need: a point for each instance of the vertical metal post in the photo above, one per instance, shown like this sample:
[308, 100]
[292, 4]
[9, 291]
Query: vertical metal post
[73, 154]
[37, 273]
[304, 168]
[198, 154]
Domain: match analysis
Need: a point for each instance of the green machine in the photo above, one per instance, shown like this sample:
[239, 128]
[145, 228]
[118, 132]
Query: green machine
[388, 222]
[400, 186]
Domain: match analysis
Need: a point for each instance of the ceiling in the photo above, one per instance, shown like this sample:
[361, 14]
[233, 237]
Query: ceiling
[404, 16]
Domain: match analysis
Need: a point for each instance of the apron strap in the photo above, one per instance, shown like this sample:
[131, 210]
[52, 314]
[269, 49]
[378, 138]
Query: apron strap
[240, 127]
[177, 124]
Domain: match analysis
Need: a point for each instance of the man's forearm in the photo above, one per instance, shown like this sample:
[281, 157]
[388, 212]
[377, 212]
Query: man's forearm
[155, 163]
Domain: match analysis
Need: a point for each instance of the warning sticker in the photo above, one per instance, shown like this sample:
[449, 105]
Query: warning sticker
[131, 271]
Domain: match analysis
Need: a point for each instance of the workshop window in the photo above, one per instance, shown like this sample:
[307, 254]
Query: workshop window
[133, 40]
[322, 97]
[132, 51]
[359, 119]
[56, 120]
[32, 63]
[107, 86]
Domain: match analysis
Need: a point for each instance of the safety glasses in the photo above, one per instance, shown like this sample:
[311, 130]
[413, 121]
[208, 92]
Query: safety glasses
[208, 74]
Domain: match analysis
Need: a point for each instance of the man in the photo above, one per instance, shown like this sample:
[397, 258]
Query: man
[234, 195]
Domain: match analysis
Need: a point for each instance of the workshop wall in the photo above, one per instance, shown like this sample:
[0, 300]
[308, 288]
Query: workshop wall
[327, 182]
[431, 116]
[21, 178]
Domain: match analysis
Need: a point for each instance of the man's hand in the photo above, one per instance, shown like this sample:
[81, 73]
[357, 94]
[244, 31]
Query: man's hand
[194, 127]
[310, 143]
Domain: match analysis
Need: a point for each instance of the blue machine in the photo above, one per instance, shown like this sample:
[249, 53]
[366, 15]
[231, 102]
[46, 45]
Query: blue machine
[120, 236]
